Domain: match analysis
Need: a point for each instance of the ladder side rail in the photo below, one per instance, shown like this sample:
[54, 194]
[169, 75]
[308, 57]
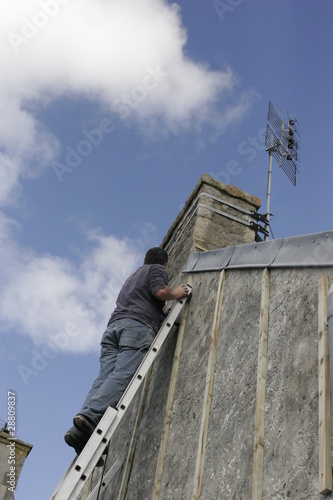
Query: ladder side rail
[64, 477]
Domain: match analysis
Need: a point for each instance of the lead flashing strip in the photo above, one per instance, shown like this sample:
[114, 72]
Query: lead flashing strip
[310, 250]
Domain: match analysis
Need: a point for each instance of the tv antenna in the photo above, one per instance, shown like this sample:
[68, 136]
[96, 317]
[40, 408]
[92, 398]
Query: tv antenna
[282, 143]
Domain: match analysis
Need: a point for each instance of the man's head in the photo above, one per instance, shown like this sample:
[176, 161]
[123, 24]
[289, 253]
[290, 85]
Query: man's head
[156, 255]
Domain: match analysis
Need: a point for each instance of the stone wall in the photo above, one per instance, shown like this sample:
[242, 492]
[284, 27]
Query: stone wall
[291, 407]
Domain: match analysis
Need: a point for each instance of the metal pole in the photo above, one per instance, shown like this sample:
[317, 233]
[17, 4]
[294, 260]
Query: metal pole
[269, 181]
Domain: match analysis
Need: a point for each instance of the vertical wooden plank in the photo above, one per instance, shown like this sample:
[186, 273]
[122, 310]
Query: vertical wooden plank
[130, 455]
[208, 390]
[258, 459]
[325, 452]
[170, 401]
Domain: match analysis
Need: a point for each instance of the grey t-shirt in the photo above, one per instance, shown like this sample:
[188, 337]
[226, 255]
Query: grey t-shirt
[136, 299]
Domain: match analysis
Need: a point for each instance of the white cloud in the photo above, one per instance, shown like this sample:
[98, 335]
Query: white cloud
[127, 56]
[51, 299]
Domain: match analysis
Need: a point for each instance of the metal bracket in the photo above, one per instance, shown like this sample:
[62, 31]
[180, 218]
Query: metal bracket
[259, 229]
[259, 217]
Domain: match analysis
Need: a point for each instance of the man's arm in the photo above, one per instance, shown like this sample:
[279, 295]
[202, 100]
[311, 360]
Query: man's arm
[167, 294]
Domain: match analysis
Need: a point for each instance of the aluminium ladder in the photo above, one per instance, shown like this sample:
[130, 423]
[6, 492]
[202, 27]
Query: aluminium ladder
[83, 465]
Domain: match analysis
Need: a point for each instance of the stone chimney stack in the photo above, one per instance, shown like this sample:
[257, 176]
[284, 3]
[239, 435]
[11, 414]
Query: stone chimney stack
[215, 215]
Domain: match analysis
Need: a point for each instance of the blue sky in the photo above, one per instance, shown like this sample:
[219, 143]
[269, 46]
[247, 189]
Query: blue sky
[110, 113]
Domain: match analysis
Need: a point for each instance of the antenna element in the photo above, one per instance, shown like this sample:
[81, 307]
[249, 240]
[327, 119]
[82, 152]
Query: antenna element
[282, 143]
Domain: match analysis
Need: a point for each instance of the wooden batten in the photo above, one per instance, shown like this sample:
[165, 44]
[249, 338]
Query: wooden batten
[325, 447]
[258, 460]
[208, 391]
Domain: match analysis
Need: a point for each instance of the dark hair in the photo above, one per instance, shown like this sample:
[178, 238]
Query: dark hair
[156, 255]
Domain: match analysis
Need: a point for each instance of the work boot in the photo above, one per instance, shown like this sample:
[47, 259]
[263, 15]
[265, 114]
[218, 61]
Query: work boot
[84, 424]
[77, 440]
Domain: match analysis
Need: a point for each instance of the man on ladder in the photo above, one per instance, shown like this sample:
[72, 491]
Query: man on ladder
[128, 336]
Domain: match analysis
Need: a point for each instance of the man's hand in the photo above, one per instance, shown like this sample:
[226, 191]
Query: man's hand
[167, 294]
[180, 291]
